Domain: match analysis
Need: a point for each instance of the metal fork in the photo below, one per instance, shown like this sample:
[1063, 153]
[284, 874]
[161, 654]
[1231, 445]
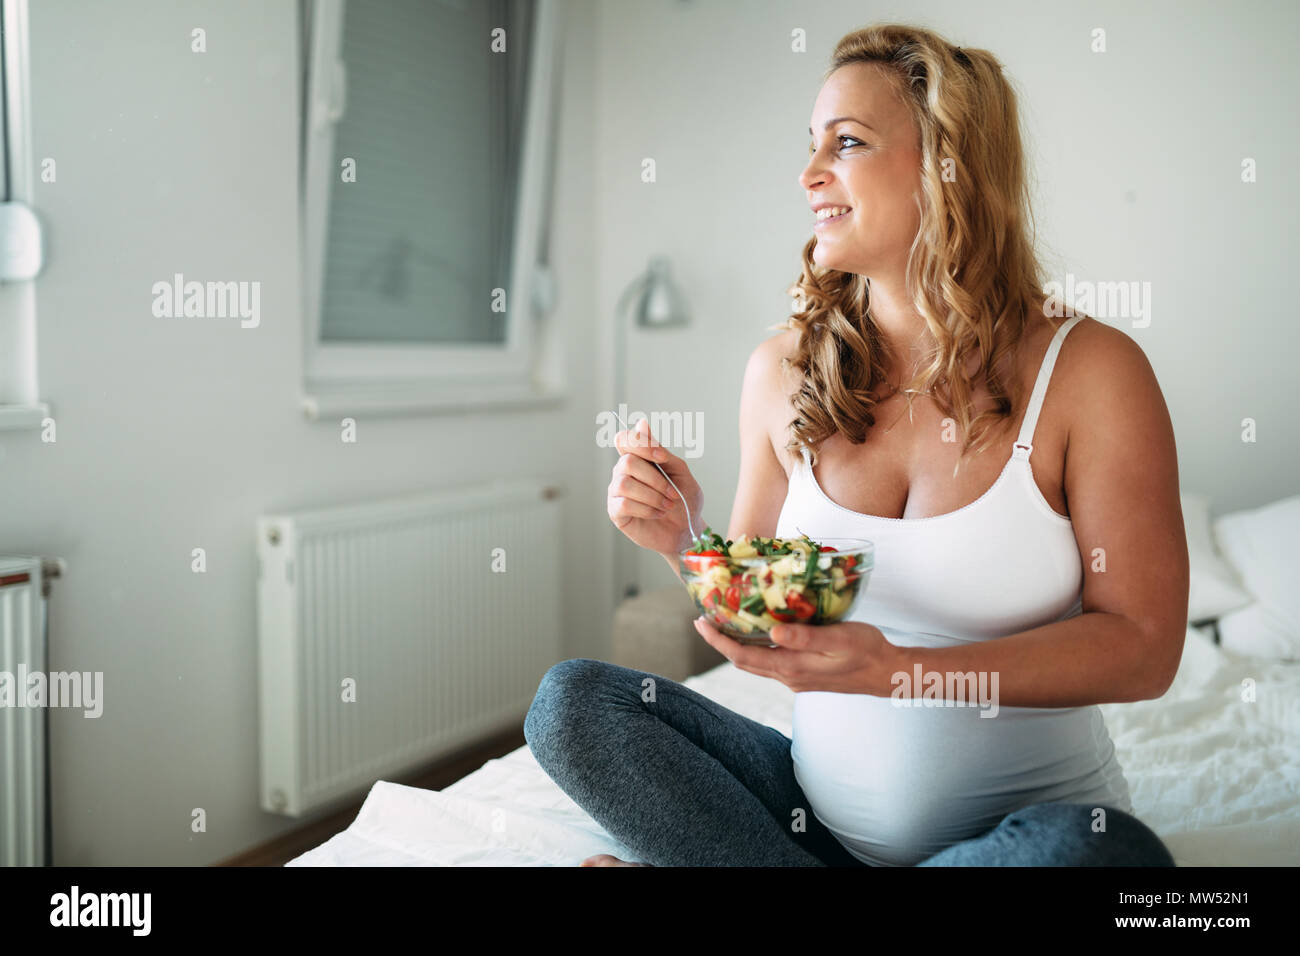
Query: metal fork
[689, 524]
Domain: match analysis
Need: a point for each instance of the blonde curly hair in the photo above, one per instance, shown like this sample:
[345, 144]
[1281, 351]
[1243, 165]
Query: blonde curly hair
[972, 273]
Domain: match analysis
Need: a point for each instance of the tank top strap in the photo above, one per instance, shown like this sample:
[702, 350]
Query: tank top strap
[1024, 444]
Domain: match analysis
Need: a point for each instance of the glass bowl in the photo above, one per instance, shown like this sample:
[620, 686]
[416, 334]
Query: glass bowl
[745, 597]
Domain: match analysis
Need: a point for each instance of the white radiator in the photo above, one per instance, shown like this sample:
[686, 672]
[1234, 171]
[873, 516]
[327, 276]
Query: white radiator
[22, 728]
[395, 632]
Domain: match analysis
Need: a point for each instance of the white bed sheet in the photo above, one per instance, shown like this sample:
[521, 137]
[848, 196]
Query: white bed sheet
[1217, 778]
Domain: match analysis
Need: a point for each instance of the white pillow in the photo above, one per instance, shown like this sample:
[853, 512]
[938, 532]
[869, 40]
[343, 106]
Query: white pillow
[1214, 587]
[1257, 631]
[1261, 546]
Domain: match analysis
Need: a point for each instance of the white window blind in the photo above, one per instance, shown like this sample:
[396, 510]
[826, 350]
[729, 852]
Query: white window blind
[421, 272]
[434, 121]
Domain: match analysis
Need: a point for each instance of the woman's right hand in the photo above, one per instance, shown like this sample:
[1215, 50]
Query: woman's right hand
[641, 502]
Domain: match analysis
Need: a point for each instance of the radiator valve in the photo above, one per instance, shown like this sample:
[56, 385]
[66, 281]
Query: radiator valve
[51, 568]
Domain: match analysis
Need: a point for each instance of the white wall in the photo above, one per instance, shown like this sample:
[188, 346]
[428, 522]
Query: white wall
[176, 434]
[1137, 154]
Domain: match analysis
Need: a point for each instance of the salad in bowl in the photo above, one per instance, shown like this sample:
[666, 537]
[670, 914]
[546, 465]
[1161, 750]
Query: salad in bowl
[747, 586]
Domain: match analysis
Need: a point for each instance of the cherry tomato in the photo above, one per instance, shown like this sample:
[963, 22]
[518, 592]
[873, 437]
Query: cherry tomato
[712, 598]
[703, 560]
[800, 605]
[733, 598]
[782, 614]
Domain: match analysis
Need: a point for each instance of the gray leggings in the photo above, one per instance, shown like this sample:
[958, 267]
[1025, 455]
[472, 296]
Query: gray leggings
[683, 781]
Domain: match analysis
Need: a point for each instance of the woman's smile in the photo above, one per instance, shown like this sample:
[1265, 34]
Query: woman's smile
[823, 223]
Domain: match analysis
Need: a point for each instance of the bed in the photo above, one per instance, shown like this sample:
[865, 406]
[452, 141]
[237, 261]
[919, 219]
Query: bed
[1213, 765]
[1217, 778]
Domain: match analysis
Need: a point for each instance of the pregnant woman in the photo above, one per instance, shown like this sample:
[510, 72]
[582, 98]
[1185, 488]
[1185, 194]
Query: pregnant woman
[1017, 474]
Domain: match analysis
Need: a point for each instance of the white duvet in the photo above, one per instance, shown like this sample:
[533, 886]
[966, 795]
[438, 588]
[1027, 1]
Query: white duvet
[1215, 776]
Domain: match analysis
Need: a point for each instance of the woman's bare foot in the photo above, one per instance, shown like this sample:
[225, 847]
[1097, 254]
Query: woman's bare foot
[605, 859]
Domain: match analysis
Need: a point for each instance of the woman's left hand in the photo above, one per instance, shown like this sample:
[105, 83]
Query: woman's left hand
[851, 657]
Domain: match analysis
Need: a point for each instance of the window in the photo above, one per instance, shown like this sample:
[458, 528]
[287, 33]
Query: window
[20, 235]
[426, 164]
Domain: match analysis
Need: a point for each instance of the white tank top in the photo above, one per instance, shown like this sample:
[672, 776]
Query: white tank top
[896, 785]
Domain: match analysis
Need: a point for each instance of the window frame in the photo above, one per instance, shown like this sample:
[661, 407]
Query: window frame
[410, 376]
[19, 404]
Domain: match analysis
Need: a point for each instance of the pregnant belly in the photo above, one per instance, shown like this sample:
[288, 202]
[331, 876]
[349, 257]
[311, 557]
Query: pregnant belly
[898, 784]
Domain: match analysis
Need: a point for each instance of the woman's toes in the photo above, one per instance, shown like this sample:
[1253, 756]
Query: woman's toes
[605, 859]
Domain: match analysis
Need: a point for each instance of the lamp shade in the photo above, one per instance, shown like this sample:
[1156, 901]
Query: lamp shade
[660, 303]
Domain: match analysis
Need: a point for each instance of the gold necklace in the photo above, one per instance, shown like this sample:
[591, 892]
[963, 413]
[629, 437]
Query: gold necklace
[908, 410]
[909, 392]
